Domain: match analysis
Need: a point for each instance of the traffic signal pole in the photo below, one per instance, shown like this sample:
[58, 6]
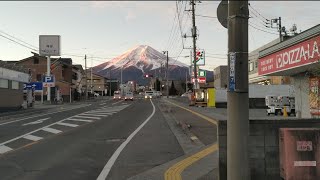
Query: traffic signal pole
[48, 74]
[238, 100]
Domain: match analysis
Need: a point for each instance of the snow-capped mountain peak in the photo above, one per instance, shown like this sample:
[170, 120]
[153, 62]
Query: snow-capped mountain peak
[142, 57]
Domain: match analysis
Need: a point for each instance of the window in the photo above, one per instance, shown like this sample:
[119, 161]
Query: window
[250, 67]
[15, 85]
[39, 77]
[4, 83]
[35, 60]
[256, 64]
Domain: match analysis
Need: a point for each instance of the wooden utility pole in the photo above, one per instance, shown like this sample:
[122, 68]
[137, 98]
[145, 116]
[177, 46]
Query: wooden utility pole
[238, 99]
[194, 36]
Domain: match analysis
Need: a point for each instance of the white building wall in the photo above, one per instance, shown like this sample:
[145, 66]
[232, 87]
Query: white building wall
[301, 87]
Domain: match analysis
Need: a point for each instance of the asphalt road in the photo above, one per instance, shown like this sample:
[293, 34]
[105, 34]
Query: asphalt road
[77, 144]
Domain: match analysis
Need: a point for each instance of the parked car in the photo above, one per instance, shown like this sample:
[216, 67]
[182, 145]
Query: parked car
[128, 96]
[96, 95]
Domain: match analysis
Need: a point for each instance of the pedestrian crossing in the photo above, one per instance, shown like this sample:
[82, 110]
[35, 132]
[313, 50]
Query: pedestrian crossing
[65, 124]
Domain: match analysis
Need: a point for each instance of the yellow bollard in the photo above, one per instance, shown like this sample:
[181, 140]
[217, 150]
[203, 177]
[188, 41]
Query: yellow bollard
[285, 114]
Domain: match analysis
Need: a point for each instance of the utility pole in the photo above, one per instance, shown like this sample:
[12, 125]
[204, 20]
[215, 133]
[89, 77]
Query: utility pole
[85, 67]
[167, 74]
[187, 80]
[194, 36]
[110, 85]
[48, 74]
[91, 77]
[238, 100]
[280, 30]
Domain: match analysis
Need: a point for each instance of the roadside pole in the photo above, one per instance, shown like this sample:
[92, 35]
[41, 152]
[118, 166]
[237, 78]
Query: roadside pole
[238, 100]
[48, 74]
[167, 75]
[194, 36]
[86, 72]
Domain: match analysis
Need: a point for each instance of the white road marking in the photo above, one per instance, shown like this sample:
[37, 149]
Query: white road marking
[98, 115]
[4, 149]
[82, 120]
[105, 111]
[67, 124]
[102, 104]
[32, 137]
[77, 107]
[51, 130]
[86, 117]
[117, 102]
[106, 169]
[36, 122]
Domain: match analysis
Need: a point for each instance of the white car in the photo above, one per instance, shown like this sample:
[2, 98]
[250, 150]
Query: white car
[96, 94]
[116, 95]
[149, 94]
[128, 96]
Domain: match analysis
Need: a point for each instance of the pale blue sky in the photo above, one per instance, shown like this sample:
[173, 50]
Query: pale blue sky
[106, 28]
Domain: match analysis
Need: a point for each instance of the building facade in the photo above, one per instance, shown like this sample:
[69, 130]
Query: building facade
[297, 57]
[254, 77]
[220, 77]
[12, 78]
[61, 69]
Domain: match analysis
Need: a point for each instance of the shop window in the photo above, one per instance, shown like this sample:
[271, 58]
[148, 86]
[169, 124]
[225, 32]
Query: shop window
[15, 85]
[4, 83]
[38, 77]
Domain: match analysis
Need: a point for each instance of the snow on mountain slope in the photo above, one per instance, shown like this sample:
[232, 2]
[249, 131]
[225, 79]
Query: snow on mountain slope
[142, 57]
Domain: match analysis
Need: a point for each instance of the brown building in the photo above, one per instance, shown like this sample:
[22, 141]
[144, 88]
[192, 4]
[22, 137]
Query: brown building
[78, 82]
[61, 68]
[99, 83]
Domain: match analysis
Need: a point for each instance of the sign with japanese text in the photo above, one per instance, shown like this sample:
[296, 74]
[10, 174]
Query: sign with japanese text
[300, 54]
[49, 45]
[304, 145]
[232, 78]
[201, 80]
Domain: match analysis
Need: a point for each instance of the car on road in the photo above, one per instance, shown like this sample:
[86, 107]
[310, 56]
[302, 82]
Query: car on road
[128, 96]
[149, 94]
[96, 95]
[116, 95]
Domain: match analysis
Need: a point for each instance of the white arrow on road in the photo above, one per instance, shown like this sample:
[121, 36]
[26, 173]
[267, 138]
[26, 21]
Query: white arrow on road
[36, 122]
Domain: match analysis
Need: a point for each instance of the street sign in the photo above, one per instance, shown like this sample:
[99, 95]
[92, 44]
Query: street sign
[200, 58]
[201, 80]
[222, 13]
[36, 85]
[232, 79]
[48, 81]
[202, 73]
[49, 45]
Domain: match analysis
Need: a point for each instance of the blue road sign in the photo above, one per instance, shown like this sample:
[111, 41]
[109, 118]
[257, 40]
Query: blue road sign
[48, 79]
[37, 86]
[232, 77]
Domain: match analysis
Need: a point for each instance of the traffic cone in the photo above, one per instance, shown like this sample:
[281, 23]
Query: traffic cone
[285, 114]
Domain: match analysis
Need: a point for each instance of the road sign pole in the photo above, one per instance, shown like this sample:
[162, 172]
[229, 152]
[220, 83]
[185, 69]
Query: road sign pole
[42, 97]
[48, 74]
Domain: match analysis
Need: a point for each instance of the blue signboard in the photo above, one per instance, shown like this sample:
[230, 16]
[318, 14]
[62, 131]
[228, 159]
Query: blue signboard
[232, 79]
[37, 86]
[48, 79]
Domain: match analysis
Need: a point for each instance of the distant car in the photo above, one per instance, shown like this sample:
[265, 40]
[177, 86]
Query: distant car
[149, 94]
[96, 95]
[116, 95]
[128, 96]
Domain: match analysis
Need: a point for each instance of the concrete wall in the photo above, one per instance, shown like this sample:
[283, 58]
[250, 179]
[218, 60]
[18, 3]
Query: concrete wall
[221, 76]
[301, 90]
[11, 98]
[263, 145]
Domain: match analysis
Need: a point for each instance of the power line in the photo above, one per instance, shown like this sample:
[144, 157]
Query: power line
[179, 21]
[18, 39]
[263, 30]
[257, 12]
[206, 16]
[18, 42]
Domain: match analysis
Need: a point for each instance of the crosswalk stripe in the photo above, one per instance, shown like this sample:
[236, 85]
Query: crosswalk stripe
[51, 130]
[82, 120]
[89, 114]
[32, 137]
[67, 124]
[102, 113]
[4, 149]
[86, 117]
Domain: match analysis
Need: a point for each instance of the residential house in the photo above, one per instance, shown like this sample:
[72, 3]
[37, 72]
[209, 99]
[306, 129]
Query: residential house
[61, 69]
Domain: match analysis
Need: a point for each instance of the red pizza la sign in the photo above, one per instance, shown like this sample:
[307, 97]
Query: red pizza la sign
[303, 53]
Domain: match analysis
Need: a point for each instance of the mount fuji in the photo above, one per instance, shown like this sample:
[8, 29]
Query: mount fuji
[141, 60]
